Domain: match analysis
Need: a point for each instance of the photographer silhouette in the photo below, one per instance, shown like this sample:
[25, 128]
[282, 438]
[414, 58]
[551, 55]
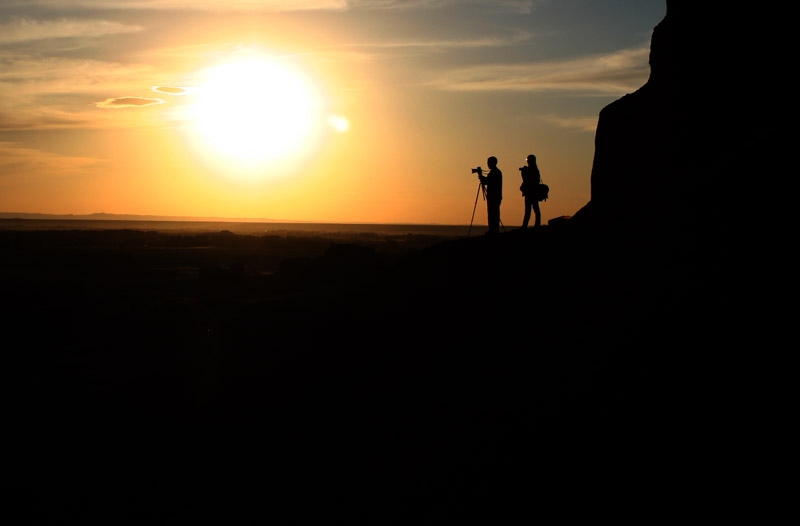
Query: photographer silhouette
[530, 182]
[493, 181]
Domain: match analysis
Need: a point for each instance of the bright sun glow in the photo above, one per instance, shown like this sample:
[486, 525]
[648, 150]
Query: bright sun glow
[255, 117]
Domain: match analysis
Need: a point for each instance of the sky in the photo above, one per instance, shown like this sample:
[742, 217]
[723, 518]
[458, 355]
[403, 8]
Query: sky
[353, 111]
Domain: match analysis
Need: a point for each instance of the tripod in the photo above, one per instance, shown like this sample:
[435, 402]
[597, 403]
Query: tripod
[481, 190]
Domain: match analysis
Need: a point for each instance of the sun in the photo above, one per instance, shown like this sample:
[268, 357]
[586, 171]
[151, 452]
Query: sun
[255, 117]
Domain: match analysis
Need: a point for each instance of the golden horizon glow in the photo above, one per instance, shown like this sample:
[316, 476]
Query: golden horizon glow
[252, 117]
[306, 111]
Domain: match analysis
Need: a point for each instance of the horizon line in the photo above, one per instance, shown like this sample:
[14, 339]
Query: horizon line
[95, 216]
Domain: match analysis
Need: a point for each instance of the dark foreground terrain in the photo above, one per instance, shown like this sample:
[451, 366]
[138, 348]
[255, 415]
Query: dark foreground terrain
[217, 376]
[627, 364]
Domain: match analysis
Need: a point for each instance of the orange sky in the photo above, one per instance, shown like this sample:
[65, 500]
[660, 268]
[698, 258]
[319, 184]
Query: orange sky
[174, 108]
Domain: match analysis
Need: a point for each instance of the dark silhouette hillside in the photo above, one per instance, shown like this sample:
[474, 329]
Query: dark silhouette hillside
[583, 364]
[679, 151]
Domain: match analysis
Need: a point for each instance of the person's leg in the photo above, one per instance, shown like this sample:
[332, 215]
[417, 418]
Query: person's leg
[494, 216]
[537, 221]
[527, 216]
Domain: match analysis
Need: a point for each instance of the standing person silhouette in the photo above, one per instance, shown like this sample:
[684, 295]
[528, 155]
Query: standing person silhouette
[530, 182]
[493, 182]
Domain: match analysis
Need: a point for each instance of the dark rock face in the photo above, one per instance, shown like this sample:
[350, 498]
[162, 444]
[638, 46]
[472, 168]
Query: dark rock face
[678, 153]
[683, 164]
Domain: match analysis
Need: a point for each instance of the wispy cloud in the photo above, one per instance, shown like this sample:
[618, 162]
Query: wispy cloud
[40, 117]
[18, 160]
[128, 102]
[199, 5]
[66, 75]
[27, 30]
[586, 124]
[516, 6]
[466, 43]
[370, 51]
[513, 6]
[46, 92]
[171, 90]
[615, 73]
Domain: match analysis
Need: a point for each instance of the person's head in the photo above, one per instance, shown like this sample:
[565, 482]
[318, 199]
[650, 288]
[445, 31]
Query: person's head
[491, 161]
[531, 160]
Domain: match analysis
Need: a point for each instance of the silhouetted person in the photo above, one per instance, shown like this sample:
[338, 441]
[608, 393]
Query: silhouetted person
[493, 182]
[530, 184]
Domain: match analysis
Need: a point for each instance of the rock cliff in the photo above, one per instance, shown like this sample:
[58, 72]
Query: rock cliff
[681, 153]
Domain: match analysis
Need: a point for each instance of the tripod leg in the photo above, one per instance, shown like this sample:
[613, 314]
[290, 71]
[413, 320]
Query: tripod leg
[480, 187]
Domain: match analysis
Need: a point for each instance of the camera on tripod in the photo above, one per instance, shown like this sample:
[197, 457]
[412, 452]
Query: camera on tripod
[478, 170]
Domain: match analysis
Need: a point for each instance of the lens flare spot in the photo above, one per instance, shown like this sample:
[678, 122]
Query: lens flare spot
[338, 123]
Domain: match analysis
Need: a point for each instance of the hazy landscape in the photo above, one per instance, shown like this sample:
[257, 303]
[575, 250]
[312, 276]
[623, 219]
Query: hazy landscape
[380, 375]
[16, 221]
[356, 362]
